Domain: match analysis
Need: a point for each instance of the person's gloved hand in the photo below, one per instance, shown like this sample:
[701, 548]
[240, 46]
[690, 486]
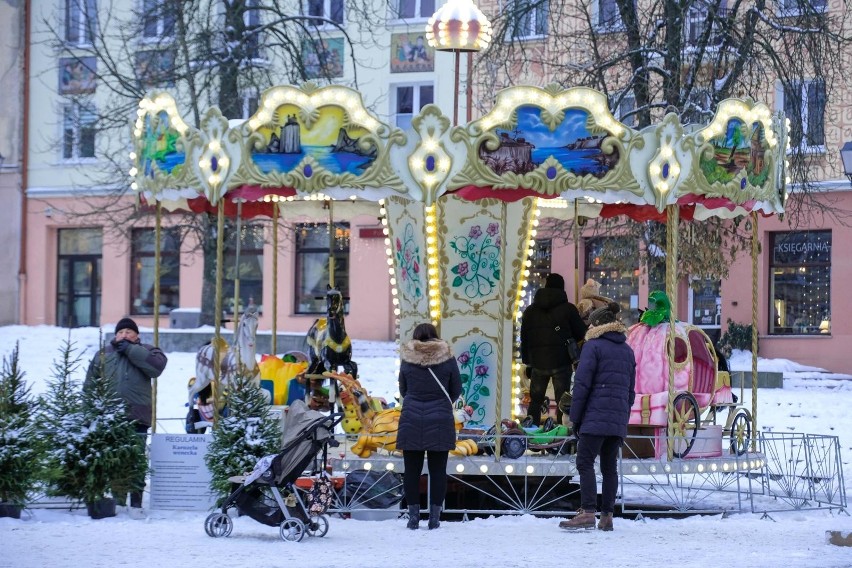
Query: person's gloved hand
[121, 346]
[528, 371]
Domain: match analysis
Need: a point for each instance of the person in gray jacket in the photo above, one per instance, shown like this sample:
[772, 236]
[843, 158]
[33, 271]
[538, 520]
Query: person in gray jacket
[130, 365]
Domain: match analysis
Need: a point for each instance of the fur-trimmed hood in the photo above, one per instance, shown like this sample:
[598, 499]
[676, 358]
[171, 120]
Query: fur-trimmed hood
[597, 331]
[425, 353]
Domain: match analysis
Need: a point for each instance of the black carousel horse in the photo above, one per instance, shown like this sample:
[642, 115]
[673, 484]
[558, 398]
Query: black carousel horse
[330, 347]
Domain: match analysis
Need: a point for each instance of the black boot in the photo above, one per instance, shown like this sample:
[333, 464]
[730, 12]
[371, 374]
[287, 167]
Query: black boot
[434, 516]
[413, 517]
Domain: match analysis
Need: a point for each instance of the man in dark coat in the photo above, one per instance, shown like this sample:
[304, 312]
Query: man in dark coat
[604, 389]
[543, 348]
[429, 383]
[130, 365]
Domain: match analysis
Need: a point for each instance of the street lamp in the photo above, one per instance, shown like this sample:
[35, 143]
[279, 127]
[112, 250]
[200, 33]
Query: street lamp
[459, 26]
[846, 156]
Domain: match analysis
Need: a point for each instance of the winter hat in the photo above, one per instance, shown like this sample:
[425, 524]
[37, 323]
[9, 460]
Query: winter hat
[126, 323]
[554, 281]
[603, 316]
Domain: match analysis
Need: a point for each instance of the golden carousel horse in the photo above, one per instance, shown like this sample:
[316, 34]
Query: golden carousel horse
[234, 360]
[379, 427]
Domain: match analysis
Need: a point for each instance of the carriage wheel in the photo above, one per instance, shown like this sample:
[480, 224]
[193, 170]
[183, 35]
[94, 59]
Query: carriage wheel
[548, 425]
[317, 526]
[218, 524]
[686, 423]
[292, 530]
[740, 432]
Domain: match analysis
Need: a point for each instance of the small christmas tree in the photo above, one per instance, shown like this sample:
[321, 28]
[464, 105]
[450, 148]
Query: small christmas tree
[20, 451]
[101, 453]
[241, 438]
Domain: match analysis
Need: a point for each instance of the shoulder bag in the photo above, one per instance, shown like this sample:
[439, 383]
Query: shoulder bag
[434, 376]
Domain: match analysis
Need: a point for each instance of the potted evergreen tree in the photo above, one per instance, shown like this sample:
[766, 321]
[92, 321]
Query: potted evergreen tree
[101, 451]
[241, 438]
[20, 450]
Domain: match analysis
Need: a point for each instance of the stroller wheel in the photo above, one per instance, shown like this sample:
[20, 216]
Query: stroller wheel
[218, 524]
[317, 525]
[292, 530]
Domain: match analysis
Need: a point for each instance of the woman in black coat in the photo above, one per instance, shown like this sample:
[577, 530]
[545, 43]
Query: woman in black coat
[429, 380]
[604, 389]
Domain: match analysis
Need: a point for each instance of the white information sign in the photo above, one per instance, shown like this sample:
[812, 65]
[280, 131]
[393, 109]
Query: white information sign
[179, 477]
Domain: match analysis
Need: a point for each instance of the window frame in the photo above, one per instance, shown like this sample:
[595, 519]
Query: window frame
[151, 11]
[341, 253]
[416, 105]
[774, 316]
[802, 88]
[617, 110]
[592, 270]
[796, 10]
[72, 110]
[136, 268]
[533, 10]
[418, 16]
[327, 6]
[252, 19]
[616, 25]
[258, 234]
[86, 26]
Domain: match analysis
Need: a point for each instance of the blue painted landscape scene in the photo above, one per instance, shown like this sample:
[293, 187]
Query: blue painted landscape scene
[335, 162]
[160, 146]
[531, 142]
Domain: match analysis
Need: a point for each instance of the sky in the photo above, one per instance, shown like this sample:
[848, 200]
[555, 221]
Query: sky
[812, 401]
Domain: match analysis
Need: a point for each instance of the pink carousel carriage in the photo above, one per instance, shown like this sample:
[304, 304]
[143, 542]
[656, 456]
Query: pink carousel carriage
[701, 391]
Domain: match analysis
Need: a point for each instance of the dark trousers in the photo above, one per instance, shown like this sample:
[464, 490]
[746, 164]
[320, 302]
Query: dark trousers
[137, 486]
[588, 448]
[437, 464]
[538, 387]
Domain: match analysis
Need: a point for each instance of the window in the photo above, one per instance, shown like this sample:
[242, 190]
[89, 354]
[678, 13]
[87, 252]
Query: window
[541, 266]
[800, 285]
[705, 303]
[158, 19]
[253, 35]
[528, 18]
[143, 271]
[804, 105]
[607, 16]
[619, 284]
[78, 131]
[698, 18]
[795, 7]
[624, 109]
[81, 21]
[414, 9]
[312, 244]
[409, 99]
[249, 270]
[328, 9]
[250, 104]
[78, 286]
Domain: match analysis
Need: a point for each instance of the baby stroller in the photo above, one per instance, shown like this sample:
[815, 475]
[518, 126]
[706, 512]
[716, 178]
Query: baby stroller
[268, 495]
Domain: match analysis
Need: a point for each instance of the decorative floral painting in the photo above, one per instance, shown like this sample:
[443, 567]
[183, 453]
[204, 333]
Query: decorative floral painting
[410, 264]
[477, 271]
[478, 366]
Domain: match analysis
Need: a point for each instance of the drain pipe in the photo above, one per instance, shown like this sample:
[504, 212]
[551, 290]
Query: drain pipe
[25, 164]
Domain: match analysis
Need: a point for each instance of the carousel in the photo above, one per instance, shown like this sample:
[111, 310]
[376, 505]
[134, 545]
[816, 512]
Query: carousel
[460, 206]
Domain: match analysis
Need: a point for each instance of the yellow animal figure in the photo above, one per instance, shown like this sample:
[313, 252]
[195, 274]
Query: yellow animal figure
[464, 447]
[351, 424]
[379, 427]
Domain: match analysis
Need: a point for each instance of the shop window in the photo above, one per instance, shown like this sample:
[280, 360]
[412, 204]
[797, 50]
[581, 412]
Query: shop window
[800, 283]
[539, 269]
[81, 17]
[312, 270]
[143, 271]
[705, 302]
[619, 283]
[249, 269]
[78, 286]
[409, 100]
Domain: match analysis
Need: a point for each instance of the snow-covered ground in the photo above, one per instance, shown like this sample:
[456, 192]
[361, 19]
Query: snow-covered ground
[812, 401]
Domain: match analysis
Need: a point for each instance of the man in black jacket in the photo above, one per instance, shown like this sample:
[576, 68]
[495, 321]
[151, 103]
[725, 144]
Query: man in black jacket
[545, 325]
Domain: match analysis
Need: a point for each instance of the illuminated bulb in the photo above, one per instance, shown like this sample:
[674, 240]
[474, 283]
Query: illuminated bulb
[368, 466]
[390, 466]
[509, 468]
[530, 469]
[460, 468]
[483, 468]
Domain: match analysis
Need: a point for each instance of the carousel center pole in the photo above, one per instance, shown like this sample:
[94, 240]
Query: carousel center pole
[672, 216]
[754, 255]
[158, 230]
[217, 312]
[236, 310]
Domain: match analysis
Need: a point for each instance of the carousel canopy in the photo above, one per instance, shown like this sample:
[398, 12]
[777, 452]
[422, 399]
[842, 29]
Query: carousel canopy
[542, 142]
